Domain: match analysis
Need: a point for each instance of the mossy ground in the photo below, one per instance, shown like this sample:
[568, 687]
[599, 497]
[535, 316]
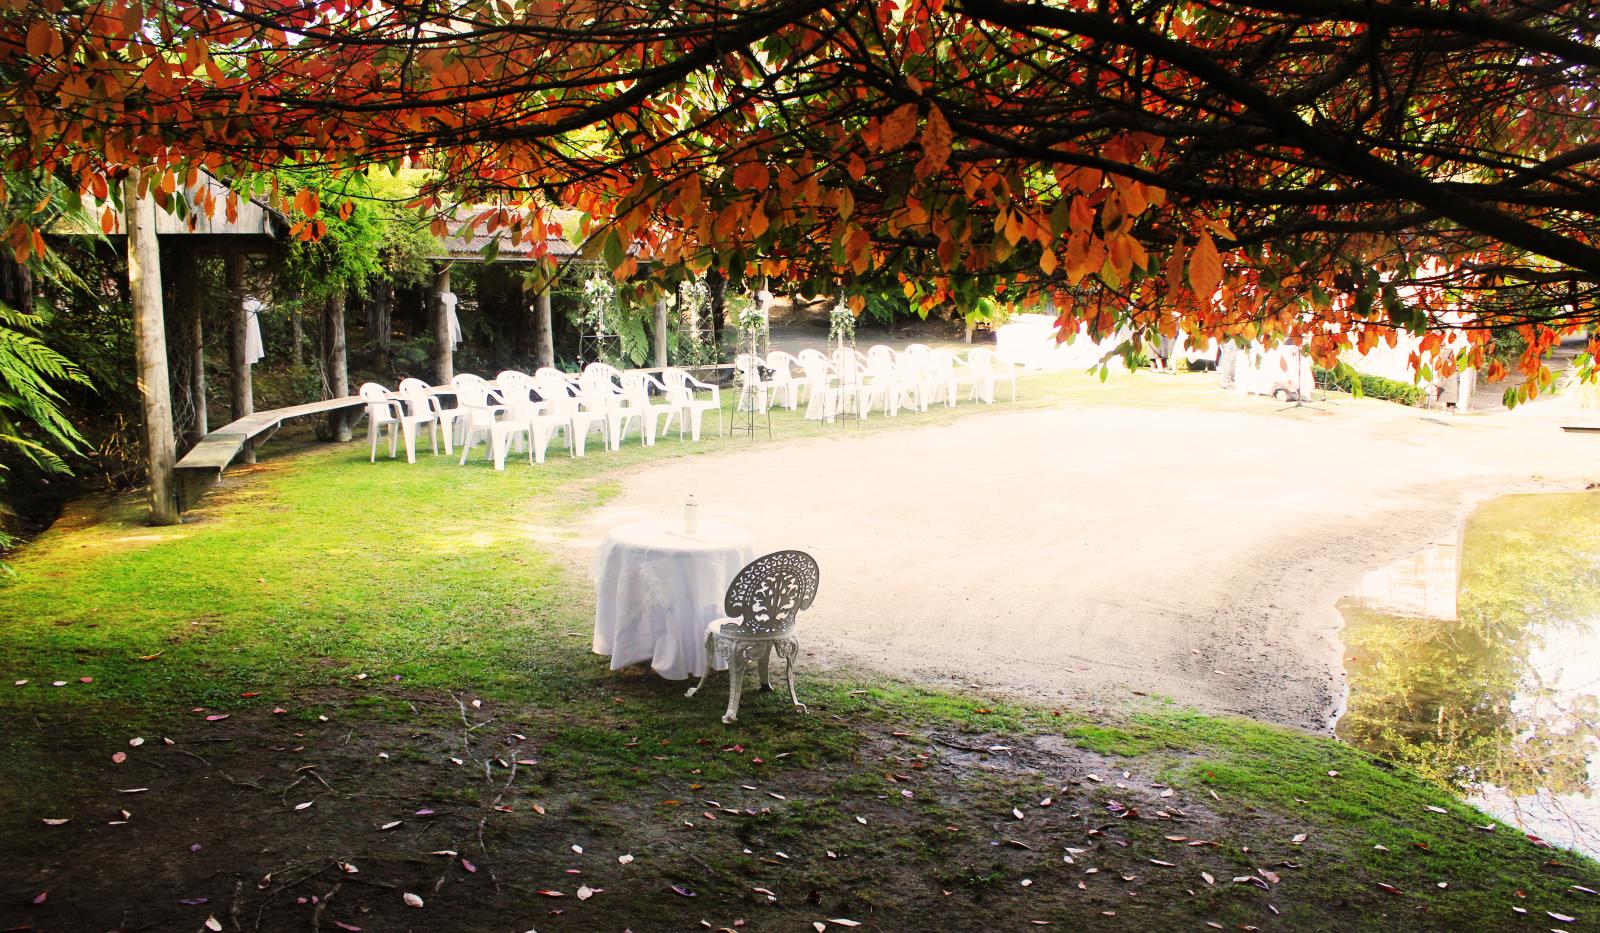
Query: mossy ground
[429, 653]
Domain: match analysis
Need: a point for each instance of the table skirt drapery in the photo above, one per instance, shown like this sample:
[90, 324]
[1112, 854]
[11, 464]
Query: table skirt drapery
[657, 589]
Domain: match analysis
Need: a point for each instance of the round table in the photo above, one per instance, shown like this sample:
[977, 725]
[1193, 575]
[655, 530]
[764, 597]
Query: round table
[658, 589]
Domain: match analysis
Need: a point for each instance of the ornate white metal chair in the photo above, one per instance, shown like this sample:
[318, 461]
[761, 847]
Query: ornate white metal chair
[762, 604]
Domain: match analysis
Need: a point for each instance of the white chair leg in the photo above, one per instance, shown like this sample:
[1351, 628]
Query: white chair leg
[788, 654]
[695, 416]
[498, 443]
[736, 666]
[394, 438]
[711, 649]
[372, 435]
[761, 668]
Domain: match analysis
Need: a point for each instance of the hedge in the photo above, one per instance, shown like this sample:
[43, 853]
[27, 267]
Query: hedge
[1373, 386]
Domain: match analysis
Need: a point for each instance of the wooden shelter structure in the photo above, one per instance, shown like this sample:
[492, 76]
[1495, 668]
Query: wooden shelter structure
[164, 249]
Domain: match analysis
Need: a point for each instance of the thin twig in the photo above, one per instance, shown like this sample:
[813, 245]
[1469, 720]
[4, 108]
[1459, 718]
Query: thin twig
[225, 775]
[316, 915]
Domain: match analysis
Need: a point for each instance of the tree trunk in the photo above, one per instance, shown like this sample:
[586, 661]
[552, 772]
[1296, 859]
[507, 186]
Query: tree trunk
[718, 286]
[443, 352]
[243, 395]
[150, 344]
[191, 299]
[380, 323]
[544, 344]
[661, 330]
[297, 338]
[338, 368]
[16, 283]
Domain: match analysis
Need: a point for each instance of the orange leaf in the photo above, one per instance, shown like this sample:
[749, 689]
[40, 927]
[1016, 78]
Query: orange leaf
[108, 220]
[1205, 268]
[39, 36]
[899, 127]
[752, 176]
[1047, 261]
[935, 142]
[346, 209]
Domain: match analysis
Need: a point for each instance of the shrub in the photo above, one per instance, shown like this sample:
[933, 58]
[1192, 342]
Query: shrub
[1371, 386]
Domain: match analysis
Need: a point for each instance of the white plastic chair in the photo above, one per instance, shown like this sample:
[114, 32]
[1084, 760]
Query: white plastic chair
[786, 389]
[980, 366]
[382, 412]
[946, 379]
[997, 369]
[636, 386]
[563, 402]
[683, 390]
[598, 393]
[810, 361]
[762, 604]
[755, 392]
[525, 420]
[847, 366]
[421, 412]
[454, 419]
[482, 414]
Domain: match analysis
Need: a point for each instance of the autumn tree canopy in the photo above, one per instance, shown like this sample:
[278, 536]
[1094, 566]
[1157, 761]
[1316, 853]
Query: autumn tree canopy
[1328, 170]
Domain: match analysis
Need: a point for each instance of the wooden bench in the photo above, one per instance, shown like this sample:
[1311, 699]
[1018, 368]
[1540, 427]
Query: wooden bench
[202, 467]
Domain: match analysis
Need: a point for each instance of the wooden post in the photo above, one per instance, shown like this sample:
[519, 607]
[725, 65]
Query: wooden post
[243, 396]
[189, 295]
[661, 330]
[443, 353]
[338, 367]
[544, 339]
[150, 346]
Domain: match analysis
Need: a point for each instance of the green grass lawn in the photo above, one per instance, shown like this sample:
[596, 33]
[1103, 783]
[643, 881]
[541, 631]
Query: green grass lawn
[331, 646]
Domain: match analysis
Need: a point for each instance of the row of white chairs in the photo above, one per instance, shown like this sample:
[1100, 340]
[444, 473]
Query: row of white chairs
[883, 378]
[517, 411]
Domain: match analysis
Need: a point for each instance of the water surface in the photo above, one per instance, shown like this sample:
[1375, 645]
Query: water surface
[1477, 662]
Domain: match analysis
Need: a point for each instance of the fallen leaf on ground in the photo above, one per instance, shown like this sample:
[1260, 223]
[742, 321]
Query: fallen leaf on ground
[119, 757]
[302, 806]
[411, 899]
[624, 859]
[680, 889]
[54, 822]
[585, 892]
[214, 925]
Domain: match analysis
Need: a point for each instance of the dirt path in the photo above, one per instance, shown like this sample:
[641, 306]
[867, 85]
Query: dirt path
[1090, 553]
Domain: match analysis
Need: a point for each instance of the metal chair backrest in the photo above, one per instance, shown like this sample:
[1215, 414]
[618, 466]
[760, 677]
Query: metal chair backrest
[770, 592]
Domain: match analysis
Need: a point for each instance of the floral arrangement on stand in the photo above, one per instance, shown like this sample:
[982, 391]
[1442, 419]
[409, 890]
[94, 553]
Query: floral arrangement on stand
[841, 325]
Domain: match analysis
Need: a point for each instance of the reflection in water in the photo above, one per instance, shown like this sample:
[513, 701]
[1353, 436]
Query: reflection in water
[1478, 664]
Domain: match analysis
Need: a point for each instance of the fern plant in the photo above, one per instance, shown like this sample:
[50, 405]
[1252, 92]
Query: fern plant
[32, 423]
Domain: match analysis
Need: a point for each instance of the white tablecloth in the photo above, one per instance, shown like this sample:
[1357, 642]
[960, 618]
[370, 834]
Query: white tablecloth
[659, 588]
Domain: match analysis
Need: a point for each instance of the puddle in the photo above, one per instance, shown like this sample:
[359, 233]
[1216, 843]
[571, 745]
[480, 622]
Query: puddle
[1477, 662]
